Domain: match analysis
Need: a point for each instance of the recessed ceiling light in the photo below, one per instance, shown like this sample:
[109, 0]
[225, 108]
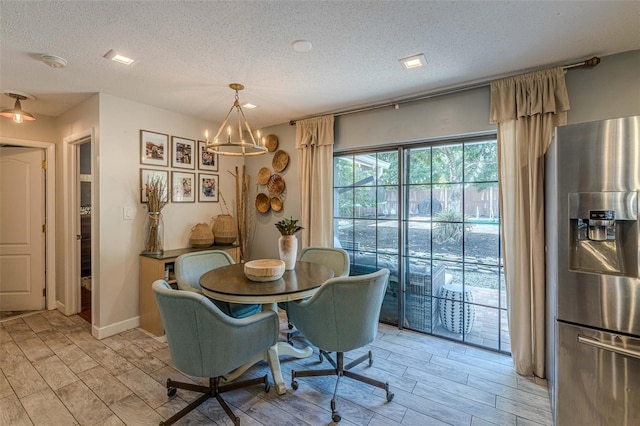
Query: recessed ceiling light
[415, 61]
[301, 46]
[114, 56]
[249, 105]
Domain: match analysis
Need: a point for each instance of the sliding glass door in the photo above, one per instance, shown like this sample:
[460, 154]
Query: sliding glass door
[430, 215]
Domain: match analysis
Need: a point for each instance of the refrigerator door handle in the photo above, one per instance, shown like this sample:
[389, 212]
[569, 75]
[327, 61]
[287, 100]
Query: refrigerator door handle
[608, 347]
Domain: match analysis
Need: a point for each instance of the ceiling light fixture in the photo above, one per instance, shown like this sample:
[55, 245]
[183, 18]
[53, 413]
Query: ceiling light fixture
[235, 143]
[415, 61]
[53, 61]
[301, 46]
[16, 113]
[114, 56]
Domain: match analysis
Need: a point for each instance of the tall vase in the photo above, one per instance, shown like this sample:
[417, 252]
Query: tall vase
[153, 233]
[288, 249]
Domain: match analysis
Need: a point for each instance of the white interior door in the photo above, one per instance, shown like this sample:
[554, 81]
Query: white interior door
[22, 237]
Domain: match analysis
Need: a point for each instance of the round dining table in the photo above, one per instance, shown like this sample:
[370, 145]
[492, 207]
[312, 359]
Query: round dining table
[229, 284]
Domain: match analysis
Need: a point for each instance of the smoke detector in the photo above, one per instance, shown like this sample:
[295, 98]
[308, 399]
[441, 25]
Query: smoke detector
[54, 61]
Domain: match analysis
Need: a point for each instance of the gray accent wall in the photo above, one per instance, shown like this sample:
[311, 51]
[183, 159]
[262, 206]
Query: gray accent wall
[612, 89]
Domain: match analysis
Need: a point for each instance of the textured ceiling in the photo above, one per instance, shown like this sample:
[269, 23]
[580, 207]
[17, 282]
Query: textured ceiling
[187, 52]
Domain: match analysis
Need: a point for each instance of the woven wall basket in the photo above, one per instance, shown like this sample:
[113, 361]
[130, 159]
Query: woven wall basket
[280, 161]
[263, 203]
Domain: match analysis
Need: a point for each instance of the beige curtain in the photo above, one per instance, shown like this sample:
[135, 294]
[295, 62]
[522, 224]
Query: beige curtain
[527, 108]
[314, 144]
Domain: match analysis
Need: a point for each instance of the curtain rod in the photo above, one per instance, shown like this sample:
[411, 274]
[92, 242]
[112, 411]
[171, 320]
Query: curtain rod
[449, 91]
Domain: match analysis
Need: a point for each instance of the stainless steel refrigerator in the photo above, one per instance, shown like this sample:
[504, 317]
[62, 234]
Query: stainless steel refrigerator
[593, 292]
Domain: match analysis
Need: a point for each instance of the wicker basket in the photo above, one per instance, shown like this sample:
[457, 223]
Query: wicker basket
[201, 236]
[262, 203]
[271, 143]
[280, 161]
[224, 230]
[263, 176]
[276, 185]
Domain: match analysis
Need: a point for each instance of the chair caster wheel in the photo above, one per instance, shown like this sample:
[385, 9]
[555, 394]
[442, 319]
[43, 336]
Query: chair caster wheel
[370, 358]
[294, 384]
[336, 417]
[390, 396]
[320, 357]
[171, 392]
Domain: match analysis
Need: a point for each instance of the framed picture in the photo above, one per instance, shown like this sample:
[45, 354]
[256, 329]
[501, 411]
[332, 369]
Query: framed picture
[154, 148]
[183, 153]
[206, 160]
[182, 187]
[208, 187]
[149, 176]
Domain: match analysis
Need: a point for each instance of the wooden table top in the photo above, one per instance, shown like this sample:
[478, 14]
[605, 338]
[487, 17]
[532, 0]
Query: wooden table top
[230, 284]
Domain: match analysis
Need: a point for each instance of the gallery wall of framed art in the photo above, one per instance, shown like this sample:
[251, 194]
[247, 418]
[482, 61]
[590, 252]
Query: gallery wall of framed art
[183, 165]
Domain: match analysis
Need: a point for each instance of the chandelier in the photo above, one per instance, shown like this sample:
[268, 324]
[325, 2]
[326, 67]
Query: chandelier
[237, 141]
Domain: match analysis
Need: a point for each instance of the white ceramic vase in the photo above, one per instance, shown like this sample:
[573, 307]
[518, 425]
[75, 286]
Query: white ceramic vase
[288, 249]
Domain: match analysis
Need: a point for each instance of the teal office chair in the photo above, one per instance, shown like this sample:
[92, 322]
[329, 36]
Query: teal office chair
[334, 258]
[204, 342]
[191, 266]
[341, 316]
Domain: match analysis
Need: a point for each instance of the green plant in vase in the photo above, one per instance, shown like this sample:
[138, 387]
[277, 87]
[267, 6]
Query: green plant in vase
[288, 243]
[288, 226]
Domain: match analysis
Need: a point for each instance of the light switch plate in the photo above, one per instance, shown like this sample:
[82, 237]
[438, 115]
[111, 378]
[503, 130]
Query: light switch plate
[127, 213]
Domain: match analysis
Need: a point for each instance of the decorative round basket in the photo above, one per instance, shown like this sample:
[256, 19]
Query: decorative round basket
[263, 204]
[280, 161]
[201, 236]
[224, 230]
[271, 142]
[263, 270]
[263, 176]
[276, 204]
[275, 185]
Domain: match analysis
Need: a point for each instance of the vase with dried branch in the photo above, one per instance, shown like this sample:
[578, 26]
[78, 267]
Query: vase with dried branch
[157, 197]
[244, 221]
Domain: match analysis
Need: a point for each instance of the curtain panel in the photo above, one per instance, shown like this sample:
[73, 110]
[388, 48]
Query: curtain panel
[314, 145]
[527, 109]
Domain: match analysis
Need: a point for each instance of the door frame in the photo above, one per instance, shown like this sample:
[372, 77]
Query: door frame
[49, 149]
[71, 224]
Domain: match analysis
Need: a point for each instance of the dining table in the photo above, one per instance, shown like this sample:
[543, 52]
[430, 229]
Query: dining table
[230, 284]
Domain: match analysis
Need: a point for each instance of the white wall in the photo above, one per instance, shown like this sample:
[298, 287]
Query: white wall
[80, 119]
[120, 241]
[42, 130]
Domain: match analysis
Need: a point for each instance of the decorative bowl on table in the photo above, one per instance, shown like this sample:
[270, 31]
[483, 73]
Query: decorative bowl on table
[263, 270]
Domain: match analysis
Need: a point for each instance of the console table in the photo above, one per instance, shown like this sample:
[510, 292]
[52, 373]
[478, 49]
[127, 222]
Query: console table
[161, 266]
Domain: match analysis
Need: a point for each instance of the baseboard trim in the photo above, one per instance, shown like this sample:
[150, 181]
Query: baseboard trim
[113, 329]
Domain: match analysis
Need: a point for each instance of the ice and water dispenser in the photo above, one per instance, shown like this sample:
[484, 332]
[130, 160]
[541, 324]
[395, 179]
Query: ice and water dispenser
[604, 233]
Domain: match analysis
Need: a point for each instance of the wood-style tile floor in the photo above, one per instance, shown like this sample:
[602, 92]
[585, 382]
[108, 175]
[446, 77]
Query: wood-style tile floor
[53, 372]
